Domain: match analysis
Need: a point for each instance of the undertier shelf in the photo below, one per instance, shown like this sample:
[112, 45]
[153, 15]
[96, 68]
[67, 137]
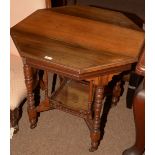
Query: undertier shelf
[73, 95]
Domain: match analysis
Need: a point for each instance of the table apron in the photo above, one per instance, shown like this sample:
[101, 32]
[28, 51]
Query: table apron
[73, 74]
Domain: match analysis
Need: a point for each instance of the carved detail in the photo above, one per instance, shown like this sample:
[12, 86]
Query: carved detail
[58, 105]
[95, 133]
[30, 96]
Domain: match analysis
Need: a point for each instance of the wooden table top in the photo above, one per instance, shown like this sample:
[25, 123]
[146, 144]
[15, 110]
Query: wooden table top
[98, 14]
[72, 39]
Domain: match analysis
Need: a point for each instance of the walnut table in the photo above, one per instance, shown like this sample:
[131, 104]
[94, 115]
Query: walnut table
[84, 45]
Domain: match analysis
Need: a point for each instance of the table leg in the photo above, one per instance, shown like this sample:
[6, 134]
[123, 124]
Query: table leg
[95, 133]
[32, 113]
[116, 93]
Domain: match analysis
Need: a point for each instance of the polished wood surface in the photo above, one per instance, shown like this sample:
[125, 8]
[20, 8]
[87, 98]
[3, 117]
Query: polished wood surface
[98, 14]
[78, 47]
[73, 39]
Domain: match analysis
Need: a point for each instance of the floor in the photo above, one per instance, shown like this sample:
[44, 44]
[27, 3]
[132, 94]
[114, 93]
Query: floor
[59, 133]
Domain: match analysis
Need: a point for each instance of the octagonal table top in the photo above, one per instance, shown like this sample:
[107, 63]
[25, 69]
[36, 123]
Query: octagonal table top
[78, 39]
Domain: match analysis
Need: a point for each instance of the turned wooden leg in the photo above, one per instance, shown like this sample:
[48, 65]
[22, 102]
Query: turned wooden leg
[116, 93]
[14, 117]
[95, 133]
[32, 113]
[139, 116]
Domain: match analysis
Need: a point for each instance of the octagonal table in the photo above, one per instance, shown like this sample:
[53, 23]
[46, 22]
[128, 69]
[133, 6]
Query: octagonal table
[84, 45]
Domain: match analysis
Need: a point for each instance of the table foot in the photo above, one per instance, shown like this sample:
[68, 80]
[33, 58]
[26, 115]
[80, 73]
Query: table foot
[32, 113]
[33, 124]
[94, 146]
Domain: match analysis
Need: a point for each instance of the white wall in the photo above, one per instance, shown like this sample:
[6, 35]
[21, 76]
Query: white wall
[19, 9]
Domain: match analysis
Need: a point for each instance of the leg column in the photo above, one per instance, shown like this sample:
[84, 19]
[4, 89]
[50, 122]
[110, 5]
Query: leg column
[32, 113]
[95, 133]
[116, 93]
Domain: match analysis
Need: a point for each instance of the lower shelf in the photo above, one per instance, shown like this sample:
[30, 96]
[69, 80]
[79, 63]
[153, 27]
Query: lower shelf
[73, 95]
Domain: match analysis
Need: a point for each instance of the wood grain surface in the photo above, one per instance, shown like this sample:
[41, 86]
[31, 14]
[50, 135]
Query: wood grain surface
[77, 43]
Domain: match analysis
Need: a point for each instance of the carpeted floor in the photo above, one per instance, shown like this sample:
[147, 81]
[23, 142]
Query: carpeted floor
[59, 133]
